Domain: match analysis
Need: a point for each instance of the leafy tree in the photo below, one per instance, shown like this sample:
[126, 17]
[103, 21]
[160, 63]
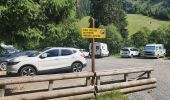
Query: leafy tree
[83, 8]
[161, 36]
[27, 22]
[110, 12]
[113, 38]
[140, 38]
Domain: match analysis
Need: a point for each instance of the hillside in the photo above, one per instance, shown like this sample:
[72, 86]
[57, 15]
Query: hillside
[136, 21]
[155, 8]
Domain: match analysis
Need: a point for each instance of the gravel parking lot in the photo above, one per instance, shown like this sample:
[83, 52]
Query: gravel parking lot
[161, 73]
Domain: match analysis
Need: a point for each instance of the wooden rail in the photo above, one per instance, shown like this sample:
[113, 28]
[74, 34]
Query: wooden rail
[127, 86]
[125, 72]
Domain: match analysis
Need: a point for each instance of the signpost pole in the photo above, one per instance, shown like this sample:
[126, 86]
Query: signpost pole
[93, 55]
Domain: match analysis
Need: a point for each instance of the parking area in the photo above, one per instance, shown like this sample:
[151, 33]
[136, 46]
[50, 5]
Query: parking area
[161, 73]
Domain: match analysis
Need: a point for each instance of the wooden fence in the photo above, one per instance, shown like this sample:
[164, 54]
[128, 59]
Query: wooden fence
[129, 85]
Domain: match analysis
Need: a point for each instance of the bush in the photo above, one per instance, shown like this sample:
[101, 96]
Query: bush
[161, 36]
[113, 38]
[140, 38]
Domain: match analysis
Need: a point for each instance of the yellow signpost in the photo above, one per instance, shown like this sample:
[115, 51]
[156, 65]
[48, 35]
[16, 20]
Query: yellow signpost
[93, 33]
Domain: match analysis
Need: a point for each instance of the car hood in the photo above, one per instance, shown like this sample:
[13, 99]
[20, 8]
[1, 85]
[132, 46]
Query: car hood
[5, 59]
[21, 58]
[148, 50]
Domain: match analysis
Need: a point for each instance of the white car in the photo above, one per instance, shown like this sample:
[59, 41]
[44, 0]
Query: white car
[48, 60]
[86, 53]
[129, 52]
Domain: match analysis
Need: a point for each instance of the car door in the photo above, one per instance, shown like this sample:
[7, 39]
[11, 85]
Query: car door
[51, 61]
[66, 57]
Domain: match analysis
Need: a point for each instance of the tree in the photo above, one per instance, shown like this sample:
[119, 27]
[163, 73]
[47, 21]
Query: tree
[110, 12]
[83, 8]
[27, 22]
[161, 36]
[140, 38]
[113, 38]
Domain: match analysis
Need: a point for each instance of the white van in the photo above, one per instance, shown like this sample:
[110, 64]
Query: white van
[101, 49]
[154, 50]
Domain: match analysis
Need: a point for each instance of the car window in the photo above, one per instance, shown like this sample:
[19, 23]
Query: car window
[74, 51]
[66, 52]
[125, 49]
[52, 53]
[97, 47]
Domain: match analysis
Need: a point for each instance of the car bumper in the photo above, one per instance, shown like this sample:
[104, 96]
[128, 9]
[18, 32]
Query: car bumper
[84, 65]
[12, 69]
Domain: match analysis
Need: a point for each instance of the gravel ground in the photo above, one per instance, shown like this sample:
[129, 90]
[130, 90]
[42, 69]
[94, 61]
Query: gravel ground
[161, 73]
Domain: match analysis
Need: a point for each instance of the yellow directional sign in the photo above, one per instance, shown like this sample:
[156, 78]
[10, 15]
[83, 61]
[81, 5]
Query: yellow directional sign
[93, 33]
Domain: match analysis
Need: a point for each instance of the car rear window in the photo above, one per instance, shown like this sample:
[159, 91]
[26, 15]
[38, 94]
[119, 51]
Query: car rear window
[124, 49]
[66, 52]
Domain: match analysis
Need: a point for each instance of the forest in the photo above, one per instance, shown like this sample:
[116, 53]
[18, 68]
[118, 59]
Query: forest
[35, 24]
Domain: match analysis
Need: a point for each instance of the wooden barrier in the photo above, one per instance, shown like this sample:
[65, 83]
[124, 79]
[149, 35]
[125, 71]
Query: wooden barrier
[124, 72]
[87, 91]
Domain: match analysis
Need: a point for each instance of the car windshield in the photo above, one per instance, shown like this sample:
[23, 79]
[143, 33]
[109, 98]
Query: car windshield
[124, 49]
[149, 48]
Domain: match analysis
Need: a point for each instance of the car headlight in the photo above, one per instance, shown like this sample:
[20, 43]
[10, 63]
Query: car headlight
[12, 63]
[3, 65]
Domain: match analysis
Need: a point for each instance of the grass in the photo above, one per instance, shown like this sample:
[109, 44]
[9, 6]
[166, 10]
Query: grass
[114, 95]
[136, 22]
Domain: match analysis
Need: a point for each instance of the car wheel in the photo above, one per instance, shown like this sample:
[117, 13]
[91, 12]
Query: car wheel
[77, 67]
[27, 71]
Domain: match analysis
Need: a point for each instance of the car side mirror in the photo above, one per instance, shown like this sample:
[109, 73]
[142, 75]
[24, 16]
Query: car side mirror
[44, 55]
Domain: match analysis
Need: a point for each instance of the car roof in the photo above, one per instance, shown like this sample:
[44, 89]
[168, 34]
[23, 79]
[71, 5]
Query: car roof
[62, 48]
[154, 45]
[128, 47]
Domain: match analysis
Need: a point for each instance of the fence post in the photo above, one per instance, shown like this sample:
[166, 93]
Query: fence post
[2, 90]
[98, 80]
[149, 74]
[50, 86]
[126, 77]
[88, 81]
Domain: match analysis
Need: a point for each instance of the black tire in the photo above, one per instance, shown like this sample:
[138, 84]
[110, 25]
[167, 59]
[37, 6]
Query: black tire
[76, 67]
[27, 71]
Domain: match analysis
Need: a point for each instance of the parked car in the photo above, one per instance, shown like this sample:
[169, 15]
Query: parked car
[7, 58]
[48, 60]
[85, 52]
[101, 49]
[154, 50]
[129, 52]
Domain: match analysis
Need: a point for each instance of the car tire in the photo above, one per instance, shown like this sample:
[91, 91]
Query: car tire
[76, 67]
[27, 71]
